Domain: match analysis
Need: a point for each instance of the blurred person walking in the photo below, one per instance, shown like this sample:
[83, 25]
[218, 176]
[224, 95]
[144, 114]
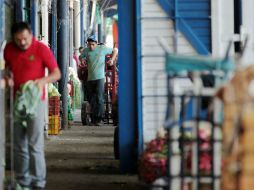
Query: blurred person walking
[27, 59]
[94, 55]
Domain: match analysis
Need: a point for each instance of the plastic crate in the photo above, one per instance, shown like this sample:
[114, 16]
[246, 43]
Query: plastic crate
[54, 98]
[54, 125]
[57, 108]
[54, 110]
[54, 106]
[54, 101]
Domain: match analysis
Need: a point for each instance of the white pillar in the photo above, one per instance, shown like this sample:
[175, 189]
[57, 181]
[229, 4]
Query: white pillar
[45, 21]
[76, 25]
[222, 34]
[45, 39]
[248, 29]
[85, 17]
[222, 25]
[71, 31]
[93, 16]
[103, 23]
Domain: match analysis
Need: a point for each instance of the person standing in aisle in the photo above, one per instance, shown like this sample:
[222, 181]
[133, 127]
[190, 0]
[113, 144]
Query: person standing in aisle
[27, 59]
[95, 58]
[82, 64]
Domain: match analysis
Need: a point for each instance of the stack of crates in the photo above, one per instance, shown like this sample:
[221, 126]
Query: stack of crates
[54, 115]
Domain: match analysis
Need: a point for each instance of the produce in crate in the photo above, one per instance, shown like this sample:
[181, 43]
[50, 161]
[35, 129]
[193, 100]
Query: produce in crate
[52, 90]
[153, 162]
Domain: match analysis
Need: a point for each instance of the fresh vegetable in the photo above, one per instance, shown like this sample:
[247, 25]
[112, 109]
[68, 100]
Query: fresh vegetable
[70, 110]
[52, 90]
[76, 94]
[76, 98]
[154, 161]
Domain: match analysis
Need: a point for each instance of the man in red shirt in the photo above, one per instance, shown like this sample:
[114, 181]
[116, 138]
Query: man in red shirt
[27, 59]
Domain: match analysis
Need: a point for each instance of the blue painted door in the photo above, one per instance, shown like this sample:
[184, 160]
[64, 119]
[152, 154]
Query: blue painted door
[193, 19]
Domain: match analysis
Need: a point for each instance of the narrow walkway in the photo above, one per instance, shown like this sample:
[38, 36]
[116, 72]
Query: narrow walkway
[81, 158]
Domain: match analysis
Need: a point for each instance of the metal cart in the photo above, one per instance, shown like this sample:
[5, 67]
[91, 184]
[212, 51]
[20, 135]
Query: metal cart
[193, 122]
[7, 179]
[111, 84]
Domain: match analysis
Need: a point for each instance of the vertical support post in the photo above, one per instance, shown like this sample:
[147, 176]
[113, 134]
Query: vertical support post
[237, 22]
[2, 137]
[127, 86]
[54, 27]
[45, 40]
[82, 22]
[71, 11]
[103, 21]
[247, 29]
[77, 25]
[2, 132]
[45, 21]
[67, 40]
[92, 27]
[20, 15]
[86, 17]
[2, 98]
[100, 34]
[62, 55]
[139, 78]
[34, 16]
[2, 18]
[176, 27]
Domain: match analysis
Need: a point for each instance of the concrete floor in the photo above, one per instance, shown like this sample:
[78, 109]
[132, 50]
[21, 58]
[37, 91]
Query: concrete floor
[81, 158]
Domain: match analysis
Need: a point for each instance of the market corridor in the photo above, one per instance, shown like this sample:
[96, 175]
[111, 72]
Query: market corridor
[81, 158]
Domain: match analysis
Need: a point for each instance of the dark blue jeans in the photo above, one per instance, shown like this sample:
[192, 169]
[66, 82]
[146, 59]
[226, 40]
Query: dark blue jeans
[96, 99]
[84, 90]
